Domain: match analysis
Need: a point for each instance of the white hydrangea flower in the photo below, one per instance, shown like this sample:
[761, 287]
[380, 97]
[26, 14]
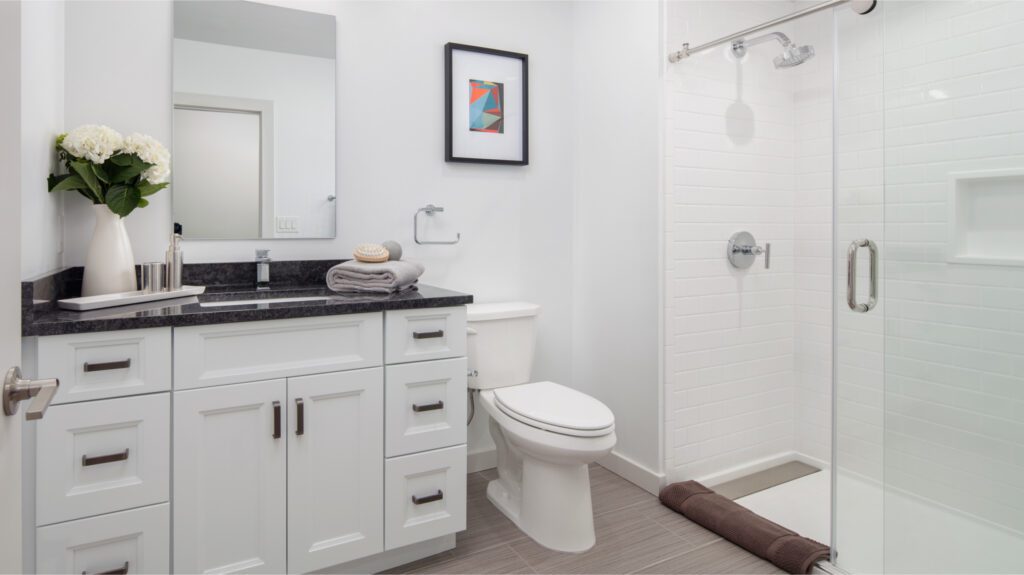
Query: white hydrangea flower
[151, 152]
[93, 143]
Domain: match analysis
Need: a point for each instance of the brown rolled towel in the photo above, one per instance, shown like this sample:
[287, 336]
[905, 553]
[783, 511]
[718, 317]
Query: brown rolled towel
[767, 540]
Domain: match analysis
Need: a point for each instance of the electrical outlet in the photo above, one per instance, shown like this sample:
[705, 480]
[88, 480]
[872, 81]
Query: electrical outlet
[287, 224]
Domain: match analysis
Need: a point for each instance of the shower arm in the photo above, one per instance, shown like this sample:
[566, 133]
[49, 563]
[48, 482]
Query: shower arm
[739, 47]
[859, 6]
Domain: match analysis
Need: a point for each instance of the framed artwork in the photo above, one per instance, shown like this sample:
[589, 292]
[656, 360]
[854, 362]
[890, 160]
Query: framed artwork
[486, 111]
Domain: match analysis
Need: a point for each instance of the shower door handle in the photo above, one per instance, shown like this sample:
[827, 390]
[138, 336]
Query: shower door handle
[851, 275]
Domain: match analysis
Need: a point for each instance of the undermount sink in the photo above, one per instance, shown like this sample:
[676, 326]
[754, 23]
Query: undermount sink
[235, 302]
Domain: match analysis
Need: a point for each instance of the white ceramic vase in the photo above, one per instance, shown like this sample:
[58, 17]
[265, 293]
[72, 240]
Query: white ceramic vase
[109, 264]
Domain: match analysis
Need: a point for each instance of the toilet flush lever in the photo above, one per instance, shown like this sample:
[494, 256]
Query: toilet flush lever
[743, 250]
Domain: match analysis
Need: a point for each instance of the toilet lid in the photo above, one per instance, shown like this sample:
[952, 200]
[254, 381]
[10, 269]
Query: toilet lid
[557, 408]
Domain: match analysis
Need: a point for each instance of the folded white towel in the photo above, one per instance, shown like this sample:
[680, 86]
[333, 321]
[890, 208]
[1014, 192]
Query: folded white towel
[384, 277]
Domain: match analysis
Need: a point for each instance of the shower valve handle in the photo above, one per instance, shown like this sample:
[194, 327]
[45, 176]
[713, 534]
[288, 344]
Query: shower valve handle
[743, 250]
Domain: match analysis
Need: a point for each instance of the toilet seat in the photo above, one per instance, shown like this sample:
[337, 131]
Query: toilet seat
[552, 407]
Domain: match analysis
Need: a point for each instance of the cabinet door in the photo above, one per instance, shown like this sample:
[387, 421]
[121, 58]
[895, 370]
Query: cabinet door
[229, 478]
[335, 468]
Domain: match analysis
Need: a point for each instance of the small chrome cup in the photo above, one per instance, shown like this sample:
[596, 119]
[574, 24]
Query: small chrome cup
[153, 277]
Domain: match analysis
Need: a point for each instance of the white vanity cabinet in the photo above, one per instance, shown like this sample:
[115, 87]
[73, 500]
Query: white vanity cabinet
[279, 446]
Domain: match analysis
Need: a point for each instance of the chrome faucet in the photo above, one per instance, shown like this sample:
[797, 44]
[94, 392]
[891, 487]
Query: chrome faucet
[263, 269]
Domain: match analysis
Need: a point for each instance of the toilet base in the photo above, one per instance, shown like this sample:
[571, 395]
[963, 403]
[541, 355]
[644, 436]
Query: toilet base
[552, 505]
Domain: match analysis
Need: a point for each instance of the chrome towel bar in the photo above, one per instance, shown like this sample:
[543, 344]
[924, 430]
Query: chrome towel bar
[429, 209]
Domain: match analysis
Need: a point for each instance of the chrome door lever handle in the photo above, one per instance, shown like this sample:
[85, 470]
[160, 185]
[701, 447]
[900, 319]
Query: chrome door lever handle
[16, 390]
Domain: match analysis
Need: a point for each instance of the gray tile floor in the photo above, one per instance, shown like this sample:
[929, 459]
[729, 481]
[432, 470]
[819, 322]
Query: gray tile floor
[635, 534]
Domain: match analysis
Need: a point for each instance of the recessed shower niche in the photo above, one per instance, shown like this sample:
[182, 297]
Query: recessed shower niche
[985, 210]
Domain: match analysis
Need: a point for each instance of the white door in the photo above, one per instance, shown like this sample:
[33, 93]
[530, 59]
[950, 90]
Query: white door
[229, 478]
[335, 468]
[10, 296]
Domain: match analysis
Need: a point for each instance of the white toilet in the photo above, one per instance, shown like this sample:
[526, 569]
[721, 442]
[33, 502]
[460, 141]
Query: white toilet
[546, 434]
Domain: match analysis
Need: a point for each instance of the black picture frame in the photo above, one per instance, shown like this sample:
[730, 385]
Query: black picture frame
[449, 48]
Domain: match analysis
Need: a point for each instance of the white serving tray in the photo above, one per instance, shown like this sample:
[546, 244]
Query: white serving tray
[126, 298]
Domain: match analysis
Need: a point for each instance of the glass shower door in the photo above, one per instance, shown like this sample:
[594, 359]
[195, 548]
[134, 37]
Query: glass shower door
[858, 329]
[929, 385]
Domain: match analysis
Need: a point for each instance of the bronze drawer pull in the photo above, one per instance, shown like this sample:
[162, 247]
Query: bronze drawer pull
[123, 570]
[428, 406]
[277, 420]
[435, 497]
[123, 364]
[300, 416]
[427, 334]
[121, 456]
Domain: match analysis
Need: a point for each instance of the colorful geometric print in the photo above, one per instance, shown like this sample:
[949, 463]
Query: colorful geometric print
[486, 113]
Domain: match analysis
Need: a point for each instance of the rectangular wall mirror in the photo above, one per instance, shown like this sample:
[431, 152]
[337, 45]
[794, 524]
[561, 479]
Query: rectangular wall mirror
[254, 121]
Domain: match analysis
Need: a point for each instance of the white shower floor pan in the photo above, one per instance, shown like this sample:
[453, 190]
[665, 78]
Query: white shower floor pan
[915, 536]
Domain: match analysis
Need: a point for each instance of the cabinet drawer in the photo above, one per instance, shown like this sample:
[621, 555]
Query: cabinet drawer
[239, 352]
[102, 456]
[135, 541]
[422, 334]
[425, 406]
[424, 496]
[107, 364]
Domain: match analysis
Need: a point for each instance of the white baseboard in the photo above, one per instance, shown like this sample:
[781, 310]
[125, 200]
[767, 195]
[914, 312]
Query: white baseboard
[637, 474]
[759, 465]
[395, 557]
[647, 479]
[480, 460]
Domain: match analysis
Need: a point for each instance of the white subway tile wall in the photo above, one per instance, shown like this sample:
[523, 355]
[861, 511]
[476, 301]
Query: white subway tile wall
[749, 148]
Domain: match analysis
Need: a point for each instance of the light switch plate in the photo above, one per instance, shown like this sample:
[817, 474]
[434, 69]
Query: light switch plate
[287, 224]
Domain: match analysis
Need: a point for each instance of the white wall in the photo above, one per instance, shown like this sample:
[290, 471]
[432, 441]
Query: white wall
[42, 118]
[617, 72]
[132, 96]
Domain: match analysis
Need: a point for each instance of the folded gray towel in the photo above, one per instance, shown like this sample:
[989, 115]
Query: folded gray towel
[385, 277]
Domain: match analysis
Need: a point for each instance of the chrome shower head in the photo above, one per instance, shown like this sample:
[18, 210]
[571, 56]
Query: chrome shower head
[793, 56]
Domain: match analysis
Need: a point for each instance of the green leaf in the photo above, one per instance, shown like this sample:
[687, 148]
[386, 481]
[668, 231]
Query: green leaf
[101, 174]
[148, 189]
[130, 166]
[122, 175]
[122, 159]
[66, 182]
[84, 170]
[122, 200]
[143, 202]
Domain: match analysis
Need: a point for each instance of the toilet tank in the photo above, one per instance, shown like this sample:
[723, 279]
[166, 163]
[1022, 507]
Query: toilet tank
[500, 344]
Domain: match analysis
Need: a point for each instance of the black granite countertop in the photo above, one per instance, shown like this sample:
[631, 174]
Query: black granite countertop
[41, 316]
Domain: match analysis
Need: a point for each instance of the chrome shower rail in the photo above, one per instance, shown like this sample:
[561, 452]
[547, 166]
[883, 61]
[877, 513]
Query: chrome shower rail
[859, 6]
